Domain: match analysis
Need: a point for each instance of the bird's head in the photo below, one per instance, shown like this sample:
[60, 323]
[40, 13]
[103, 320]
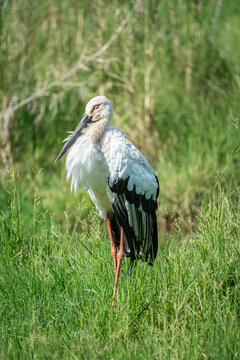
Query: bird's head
[98, 114]
[99, 108]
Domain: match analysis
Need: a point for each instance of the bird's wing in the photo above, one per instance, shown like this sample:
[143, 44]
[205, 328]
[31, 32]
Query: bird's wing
[133, 190]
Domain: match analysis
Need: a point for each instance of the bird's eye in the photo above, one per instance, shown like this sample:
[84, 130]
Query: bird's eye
[95, 107]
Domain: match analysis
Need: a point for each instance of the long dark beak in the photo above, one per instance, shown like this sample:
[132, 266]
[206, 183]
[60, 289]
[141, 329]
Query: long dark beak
[77, 132]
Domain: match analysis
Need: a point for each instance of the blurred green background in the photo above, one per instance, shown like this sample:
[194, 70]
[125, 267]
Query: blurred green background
[171, 70]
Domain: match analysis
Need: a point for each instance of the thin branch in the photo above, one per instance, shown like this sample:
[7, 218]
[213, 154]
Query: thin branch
[80, 65]
[109, 43]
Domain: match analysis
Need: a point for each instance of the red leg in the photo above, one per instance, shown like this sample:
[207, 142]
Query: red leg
[120, 256]
[113, 246]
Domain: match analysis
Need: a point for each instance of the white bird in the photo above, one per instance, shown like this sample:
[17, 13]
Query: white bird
[119, 180]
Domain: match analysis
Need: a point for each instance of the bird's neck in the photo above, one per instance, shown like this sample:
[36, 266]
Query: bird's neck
[96, 131]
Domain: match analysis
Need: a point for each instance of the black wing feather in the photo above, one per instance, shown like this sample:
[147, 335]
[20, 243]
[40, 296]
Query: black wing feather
[144, 243]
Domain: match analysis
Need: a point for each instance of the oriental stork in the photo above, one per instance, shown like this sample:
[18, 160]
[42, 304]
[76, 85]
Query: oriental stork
[119, 180]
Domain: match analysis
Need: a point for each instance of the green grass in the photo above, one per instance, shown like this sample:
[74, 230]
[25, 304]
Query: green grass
[172, 74]
[56, 290]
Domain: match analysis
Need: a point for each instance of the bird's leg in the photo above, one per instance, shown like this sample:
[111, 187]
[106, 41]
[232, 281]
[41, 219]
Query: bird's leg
[120, 256]
[113, 245]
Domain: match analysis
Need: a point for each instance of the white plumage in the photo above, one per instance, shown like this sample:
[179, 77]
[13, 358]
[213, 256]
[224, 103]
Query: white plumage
[119, 180]
[95, 166]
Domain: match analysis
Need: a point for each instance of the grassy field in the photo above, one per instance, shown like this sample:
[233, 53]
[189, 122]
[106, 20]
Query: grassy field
[172, 71]
[56, 291]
